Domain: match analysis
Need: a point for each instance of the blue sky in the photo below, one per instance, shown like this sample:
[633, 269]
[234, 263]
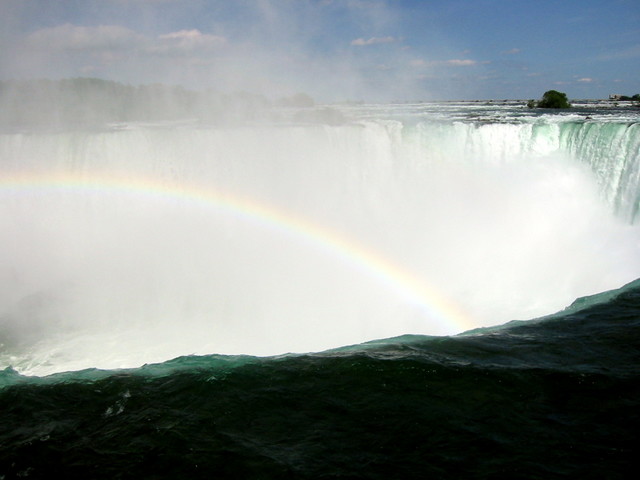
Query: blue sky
[333, 49]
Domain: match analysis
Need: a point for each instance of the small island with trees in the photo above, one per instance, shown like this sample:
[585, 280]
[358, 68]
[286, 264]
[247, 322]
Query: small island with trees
[551, 99]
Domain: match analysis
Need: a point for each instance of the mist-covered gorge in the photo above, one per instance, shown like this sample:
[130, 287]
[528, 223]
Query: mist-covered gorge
[142, 241]
[90, 102]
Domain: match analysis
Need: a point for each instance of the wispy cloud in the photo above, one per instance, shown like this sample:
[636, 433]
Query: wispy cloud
[464, 62]
[585, 80]
[456, 62]
[185, 41]
[361, 42]
[513, 51]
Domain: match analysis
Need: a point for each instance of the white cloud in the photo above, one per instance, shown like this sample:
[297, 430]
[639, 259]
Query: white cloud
[513, 51]
[460, 62]
[186, 41]
[456, 62]
[191, 36]
[361, 42]
[585, 80]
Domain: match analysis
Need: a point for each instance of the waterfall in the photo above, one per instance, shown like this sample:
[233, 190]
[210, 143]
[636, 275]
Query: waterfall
[612, 150]
[142, 242]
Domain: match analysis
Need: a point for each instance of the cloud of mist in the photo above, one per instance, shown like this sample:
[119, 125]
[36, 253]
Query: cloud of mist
[164, 273]
[331, 50]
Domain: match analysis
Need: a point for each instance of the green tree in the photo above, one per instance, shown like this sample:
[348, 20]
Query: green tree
[554, 99]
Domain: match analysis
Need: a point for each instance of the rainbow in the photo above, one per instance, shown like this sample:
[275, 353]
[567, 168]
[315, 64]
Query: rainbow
[435, 306]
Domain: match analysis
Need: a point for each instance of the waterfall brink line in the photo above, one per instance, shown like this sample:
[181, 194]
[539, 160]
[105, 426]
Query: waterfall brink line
[433, 303]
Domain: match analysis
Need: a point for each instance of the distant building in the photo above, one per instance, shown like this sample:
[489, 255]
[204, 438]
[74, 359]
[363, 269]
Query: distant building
[615, 96]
